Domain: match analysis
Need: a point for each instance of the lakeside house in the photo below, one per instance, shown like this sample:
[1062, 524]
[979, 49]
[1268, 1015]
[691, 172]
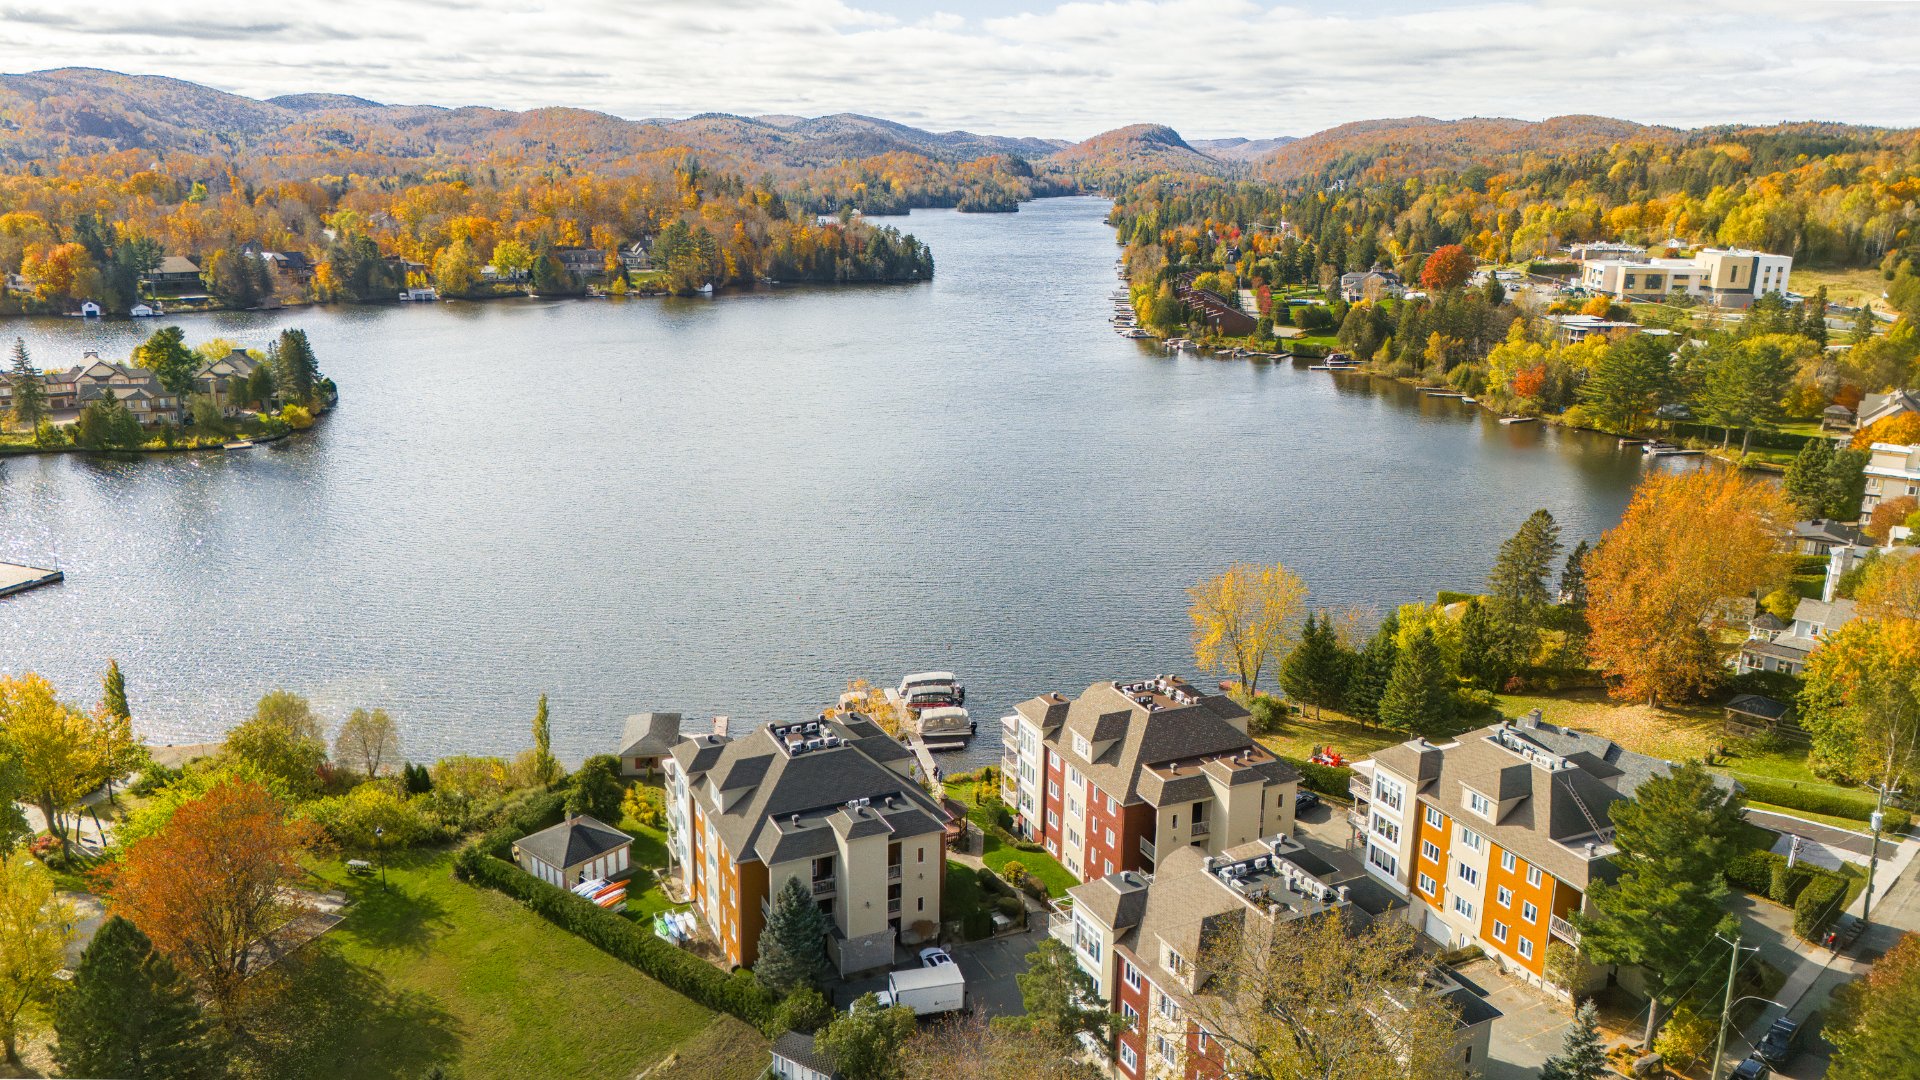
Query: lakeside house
[648, 742]
[828, 802]
[1893, 471]
[1373, 284]
[71, 390]
[1572, 328]
[1143, 939]
[637, 255]
[216, 378]
[1131, 771]
[173, 275]
[1787, 649]
[797, 1057]
[582, 262]
[1877, 407]
[1837, 419]
[1730, 277]
[1494, 838]
[1820, 536]
[581, 848]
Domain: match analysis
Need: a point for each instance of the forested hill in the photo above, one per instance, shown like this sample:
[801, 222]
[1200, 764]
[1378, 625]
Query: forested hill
[81, 111]
[1372, 149]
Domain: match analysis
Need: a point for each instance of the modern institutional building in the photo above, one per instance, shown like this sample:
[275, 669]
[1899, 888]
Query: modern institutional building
[829, 802]
[1131, 771]
[1730, 277]
[1495, 837]
[1142, 939]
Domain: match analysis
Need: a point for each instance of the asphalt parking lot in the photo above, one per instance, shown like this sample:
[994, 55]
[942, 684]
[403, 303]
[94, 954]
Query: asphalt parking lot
[989, 966]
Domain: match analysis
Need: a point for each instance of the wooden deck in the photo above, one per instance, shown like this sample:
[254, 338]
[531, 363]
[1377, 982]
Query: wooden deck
[17, 577]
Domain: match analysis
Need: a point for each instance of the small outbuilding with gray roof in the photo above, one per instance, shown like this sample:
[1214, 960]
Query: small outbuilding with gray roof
[578, 849]
[648, 741]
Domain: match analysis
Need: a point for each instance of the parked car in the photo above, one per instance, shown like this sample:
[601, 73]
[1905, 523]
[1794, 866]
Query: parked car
[1304, 801]
[1779, 1044]
[934, 957]
[1752, 1069]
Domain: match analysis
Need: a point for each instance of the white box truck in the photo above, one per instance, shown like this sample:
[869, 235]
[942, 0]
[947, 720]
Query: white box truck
[927, 990]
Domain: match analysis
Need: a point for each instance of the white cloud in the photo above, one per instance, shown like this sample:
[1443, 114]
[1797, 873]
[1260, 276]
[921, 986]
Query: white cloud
[1207, 67]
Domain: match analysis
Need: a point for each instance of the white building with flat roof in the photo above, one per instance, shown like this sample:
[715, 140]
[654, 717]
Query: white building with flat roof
[1730, 277]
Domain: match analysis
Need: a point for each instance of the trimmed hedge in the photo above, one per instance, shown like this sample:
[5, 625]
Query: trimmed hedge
[1818, 905]
[1325, 779]
[1854, 806]
[481, 863]
[1752, 871]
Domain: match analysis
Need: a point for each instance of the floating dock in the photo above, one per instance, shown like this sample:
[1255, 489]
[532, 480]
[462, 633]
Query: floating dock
[18, 577]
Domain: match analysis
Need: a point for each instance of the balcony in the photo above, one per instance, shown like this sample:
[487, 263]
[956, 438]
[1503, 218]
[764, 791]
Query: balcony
[823, 887]
[1201, 829]
[1010, 763]
[1563, 930]
[1060, 928]
[1360, 788]
[1146, 848]
[893, 872]
[893, 907]
[1010, 727]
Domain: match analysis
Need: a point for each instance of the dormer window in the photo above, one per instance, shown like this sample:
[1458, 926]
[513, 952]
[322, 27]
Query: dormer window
[1479, 804]
[1082, 747]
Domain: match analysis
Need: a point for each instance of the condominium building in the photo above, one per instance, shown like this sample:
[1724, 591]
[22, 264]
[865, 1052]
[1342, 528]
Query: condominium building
[1144, 938]
[829, 802]
[1494, 838]
[1893, 471]
[1731, 277]
[1130, 770]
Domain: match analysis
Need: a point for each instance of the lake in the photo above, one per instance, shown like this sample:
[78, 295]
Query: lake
[734, 505]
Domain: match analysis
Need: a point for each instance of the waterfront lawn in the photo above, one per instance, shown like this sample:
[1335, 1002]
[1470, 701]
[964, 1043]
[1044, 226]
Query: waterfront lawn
[648, 854]
[474, 983]
[996, 852]
[1298, 735]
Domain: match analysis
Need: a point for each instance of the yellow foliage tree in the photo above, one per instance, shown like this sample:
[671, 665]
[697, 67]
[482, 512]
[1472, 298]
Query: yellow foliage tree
[35, 926]
[59, 748]
[1244, 618]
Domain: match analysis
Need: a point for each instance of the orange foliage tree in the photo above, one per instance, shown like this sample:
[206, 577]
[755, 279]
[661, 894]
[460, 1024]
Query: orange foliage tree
[1657, 584]
[1448, 267]
[1902, 429]
[1887, 514]
[213, 881]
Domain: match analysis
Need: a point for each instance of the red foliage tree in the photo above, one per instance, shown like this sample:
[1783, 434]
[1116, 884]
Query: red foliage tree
[1448, 267]
[1528, 382]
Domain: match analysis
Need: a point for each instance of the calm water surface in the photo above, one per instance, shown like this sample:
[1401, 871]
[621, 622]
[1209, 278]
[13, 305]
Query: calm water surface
[733, 505]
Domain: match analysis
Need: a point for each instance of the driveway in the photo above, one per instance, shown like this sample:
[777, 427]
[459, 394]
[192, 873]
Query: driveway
[989, 966]
[1531, 1027]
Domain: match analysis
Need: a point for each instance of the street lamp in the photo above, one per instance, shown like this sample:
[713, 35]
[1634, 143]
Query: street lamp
[380, 852]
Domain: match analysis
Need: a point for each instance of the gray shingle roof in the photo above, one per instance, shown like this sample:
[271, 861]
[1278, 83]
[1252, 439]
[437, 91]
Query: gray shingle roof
[573, 841]
[1755, 705]
[802, 1051]
[1140, 737]
[651, 734]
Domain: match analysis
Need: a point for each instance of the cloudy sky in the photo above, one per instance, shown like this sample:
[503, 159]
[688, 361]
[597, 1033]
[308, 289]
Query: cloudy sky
[1210, 68]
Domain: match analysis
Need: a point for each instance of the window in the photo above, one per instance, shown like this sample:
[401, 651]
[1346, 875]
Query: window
[1479, 804]
[1460, 905]
[1132, 976]
[1533, 877]
[1132, 1015]
[1205, 1040]
[1526, 948]
[1383, 860]
[1088, 939]
[1508, 862]
[1386, 830]
[1128, 1058]
[1466, 873]
[1109, 837]
[921, 854]
[1112, 807]
[1435, 819]
[1053, 820]
[1169, 1010]
[1073, 778]
[1529, 912]
[1500, 932]
[1430, 851]
[1473, 840]
[1503, 896]
[1164, 1046]
[1082, 747]
[1427, 884]
[1053, 789]
[1388, 793]
[1108, 866]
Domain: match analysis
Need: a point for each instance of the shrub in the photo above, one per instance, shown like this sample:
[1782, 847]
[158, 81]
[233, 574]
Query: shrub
[154, 777]
[987, 879]
[976, 924]
[1015, 872]
[1752, 871]
[1787, 882]
[805, 1010]
[1853, 805]
[1818, 905]
[1448, 596]
[1325, 779]
[1778, 685]
[1010, 906]
[1269, 713]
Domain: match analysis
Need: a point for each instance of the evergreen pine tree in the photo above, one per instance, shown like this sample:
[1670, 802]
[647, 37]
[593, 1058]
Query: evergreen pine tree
[129, 1013]
[1846, 484]
[1863, 325]
[416, 778]
[299, 372]
[1418, 699]
[1315, 672]
[114, 687]
[1573, 579]
[1370, 671]
[1806, 480]
[793, 946]
[1480, 652]
[1582, 1056]
[29, 392]
[1518, 581]
[1813, 317]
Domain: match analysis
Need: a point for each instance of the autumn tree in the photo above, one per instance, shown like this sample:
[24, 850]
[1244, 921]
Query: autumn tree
[35, 926]
[1244, 618]
[1448, 267]
[56, 746]
[546, 769]
[455, 269]
[1321, 997]
[863, 698]
[368, 740]
[212, 882]
[969, 1045]
[1861, 701]
[1657, 583]
[1674, 837]
[283, 739]
[1886, 514]
[130, 1013]
[1875, 1018]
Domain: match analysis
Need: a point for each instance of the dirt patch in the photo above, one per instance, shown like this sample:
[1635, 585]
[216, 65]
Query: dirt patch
[725, 1050]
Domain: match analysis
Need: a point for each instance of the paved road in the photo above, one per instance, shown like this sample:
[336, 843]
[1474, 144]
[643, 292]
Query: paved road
[1859, 843]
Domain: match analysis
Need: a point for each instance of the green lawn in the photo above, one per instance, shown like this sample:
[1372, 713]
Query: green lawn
[997, 853]
[1299, 735]
[435, 972]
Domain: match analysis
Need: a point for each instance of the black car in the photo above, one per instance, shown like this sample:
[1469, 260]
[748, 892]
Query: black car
[1776, 1047]
[1752, 1069]
[1304, 801]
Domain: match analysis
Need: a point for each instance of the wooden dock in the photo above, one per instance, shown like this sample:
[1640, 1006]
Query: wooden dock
[18, 577]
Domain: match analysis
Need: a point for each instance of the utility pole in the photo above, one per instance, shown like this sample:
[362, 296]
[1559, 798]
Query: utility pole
[1873, 858]
[1726, 1009]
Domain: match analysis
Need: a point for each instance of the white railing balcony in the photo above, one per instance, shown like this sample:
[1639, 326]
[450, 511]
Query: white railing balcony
[823, 887]
[1060, 928]
[1563, 930]
[1146, 848]
[893, 872]
[1200, 829]
[1359, 788]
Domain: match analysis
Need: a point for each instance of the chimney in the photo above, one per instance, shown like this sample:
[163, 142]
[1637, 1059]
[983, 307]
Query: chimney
[1591, 848]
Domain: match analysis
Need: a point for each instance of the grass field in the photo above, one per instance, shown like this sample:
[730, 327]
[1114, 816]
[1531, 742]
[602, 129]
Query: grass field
[1848, 287]
[436, 972]
[997, 853]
